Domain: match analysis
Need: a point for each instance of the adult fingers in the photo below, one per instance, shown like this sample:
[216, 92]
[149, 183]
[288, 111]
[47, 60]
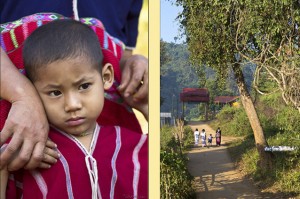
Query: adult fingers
[143, 90]
[6, 132]
[22, 157]
[126, 76]
[134, 83]
[10, 151]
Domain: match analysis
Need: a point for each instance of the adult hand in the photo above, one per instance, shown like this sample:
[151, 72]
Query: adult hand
[28, 126]
[134, 82]
[134, 85]
[26, 122]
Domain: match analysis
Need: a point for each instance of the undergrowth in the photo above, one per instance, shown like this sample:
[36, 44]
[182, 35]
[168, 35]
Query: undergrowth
[281, 128]
[175, 180]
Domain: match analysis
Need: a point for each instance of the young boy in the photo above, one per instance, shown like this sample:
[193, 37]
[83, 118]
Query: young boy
[209, 140]
[63, 59]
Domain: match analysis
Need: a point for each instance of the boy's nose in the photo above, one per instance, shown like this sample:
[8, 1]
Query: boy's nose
[72, 103]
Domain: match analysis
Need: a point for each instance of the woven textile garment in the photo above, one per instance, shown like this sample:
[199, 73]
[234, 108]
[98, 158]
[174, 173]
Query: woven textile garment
[121, 157]
[115, 111]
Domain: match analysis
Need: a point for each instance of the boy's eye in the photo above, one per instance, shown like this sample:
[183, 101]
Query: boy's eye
[84, 86]
[55, 93]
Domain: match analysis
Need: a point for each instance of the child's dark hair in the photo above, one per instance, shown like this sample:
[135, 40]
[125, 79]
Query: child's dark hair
[60, 40]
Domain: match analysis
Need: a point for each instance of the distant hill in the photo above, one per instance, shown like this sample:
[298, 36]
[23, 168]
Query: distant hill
[179, 73]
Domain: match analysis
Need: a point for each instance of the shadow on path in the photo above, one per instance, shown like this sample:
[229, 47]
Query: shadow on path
[215, 174]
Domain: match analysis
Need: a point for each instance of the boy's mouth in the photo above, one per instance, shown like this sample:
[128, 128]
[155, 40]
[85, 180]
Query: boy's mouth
[75, 121]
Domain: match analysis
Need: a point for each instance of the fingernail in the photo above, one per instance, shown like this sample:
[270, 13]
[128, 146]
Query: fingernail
[126, 94]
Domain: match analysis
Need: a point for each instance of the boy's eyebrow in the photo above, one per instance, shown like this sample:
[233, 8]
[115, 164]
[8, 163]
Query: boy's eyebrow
[52, 86]
[82, 79]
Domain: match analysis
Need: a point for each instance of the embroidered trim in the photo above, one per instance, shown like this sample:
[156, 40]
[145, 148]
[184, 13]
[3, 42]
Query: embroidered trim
[13, 38]
[113, 162]
[92, 167]
[68, 176]
[40, 182]
[137, 166]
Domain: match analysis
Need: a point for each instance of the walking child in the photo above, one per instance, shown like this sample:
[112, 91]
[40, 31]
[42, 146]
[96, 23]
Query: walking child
[203, 138]
[196, 136]
[63, 59]
[209, 140]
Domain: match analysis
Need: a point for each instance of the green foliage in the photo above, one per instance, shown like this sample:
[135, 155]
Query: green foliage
[290, 180]
[167, 140]
[280, 117]
[233, 121]
[188, 138]
[225, 34]
[175, 180]
[281, 127]
[288, 121]
[250, 160]
[284, 175]
[176, 74]
[164, 56]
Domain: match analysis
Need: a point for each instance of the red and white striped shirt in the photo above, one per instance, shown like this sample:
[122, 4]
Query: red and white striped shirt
[115, 167]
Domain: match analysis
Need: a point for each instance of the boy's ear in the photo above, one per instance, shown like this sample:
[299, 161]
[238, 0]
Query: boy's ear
[108, 76]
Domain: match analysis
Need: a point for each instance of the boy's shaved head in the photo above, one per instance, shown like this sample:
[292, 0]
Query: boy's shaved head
[60, 40]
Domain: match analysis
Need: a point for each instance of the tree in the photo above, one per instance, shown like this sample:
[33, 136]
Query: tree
[164, 58]
[230, 34]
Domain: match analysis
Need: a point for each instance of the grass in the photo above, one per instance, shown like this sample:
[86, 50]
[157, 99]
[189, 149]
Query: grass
[281, 128]
[283, 180]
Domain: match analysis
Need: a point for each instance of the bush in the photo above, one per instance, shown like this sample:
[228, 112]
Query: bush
[281, 128]
[175, 180]
[233, 121]
[188, 139]
[167, 140]
[287, 120]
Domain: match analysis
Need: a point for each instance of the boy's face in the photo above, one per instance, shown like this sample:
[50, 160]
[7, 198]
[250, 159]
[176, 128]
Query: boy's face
[73, 93]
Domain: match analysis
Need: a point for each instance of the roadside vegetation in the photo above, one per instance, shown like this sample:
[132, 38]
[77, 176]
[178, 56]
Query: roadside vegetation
[281, 128]
[175, 180]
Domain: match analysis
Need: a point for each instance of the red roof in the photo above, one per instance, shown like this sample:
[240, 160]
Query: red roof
[194, 95]
[225, 99]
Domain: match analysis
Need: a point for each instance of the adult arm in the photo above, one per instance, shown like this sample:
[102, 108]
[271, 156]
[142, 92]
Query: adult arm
[26, 122]
[3, 182]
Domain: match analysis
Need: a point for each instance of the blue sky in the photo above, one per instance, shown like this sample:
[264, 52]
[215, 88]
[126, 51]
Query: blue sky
[169, 27]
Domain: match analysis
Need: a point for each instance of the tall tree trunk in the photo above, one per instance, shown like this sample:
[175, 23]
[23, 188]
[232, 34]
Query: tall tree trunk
[265, 157]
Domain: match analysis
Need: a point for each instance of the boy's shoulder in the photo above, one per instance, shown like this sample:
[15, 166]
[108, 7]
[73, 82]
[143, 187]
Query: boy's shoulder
[125, 135]
[124, 130]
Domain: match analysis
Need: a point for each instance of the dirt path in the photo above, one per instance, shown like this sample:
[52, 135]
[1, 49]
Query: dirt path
[214, 172]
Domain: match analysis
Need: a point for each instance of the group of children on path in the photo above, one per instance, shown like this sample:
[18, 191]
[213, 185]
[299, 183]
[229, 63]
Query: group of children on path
[202, 137]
